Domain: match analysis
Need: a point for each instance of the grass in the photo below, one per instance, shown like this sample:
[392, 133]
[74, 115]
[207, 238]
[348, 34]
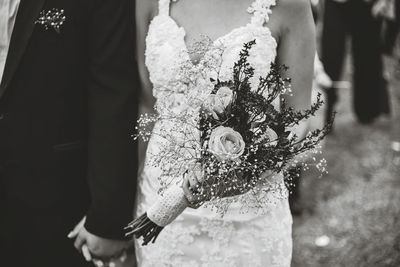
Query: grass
[356, 205]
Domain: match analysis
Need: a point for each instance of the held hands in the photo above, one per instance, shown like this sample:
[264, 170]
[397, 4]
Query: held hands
[102, 252]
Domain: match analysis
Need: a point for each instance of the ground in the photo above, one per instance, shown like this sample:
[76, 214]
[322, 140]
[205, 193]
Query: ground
[352, 215]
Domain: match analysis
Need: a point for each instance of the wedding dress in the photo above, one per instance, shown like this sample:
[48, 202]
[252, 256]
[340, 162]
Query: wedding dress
[202, 237]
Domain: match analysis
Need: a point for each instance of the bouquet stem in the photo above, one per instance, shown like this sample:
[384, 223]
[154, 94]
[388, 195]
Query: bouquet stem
[145, 228]
[164, 211]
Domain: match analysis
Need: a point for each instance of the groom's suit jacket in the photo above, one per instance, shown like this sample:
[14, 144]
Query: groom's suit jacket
[68, 106]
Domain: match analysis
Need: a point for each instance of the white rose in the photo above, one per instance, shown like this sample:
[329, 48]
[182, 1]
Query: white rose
[217, 103]
[226, 144]
[224, 97]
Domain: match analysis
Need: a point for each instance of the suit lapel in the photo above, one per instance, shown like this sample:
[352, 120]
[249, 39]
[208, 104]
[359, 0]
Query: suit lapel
[28, 13]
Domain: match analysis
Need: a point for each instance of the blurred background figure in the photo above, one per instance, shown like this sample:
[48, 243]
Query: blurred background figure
[396, 49]
[387, 12]
[353, 20]
[351, 215]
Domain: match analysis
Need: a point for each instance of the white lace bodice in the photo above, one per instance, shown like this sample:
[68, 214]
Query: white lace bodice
[168, 57]
[201, 237]
[179, 84]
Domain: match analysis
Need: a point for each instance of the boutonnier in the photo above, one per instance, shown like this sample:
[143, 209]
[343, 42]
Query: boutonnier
[53, 18]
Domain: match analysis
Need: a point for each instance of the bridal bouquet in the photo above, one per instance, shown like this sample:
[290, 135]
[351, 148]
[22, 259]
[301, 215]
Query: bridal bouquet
[235, 144]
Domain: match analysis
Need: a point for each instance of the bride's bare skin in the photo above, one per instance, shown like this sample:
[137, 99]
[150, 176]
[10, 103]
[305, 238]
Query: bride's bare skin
[291, 24]
[211, 18]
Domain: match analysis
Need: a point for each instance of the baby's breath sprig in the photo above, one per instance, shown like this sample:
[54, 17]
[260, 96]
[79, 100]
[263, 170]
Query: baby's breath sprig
[53, 18]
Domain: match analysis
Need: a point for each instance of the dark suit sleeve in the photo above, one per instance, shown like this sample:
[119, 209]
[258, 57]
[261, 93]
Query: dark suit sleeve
[113, 93]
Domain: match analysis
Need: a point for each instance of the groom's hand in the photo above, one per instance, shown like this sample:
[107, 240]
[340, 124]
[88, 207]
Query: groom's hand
[100, 248]
[94, 247]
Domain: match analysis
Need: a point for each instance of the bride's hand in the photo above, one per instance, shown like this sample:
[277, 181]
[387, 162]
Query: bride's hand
[190, 187]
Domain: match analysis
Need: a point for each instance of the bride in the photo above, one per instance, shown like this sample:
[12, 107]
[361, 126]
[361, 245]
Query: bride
[284, 32]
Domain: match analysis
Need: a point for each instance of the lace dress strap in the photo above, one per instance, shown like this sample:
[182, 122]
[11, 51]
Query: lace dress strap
[164, 6]
[261, 9]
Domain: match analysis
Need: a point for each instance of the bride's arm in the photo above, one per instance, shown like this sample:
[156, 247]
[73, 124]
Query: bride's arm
[296, 50]
[145, 11]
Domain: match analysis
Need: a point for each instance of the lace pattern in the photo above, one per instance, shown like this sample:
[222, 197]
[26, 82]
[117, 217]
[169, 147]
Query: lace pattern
[204, 242]
[261, 9]
[201, 237]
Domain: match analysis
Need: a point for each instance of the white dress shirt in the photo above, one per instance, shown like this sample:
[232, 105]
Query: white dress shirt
[8, 13]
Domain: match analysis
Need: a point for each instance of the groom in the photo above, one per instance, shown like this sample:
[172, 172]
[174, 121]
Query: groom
[68, 104]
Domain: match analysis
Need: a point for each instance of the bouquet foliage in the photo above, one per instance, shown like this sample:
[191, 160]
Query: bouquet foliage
[236, 144]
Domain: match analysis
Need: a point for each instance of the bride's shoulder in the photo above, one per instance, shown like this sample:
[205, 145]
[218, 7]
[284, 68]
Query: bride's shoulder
[146, 9]
[290, 10]
[293, 4]
[291, 14]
